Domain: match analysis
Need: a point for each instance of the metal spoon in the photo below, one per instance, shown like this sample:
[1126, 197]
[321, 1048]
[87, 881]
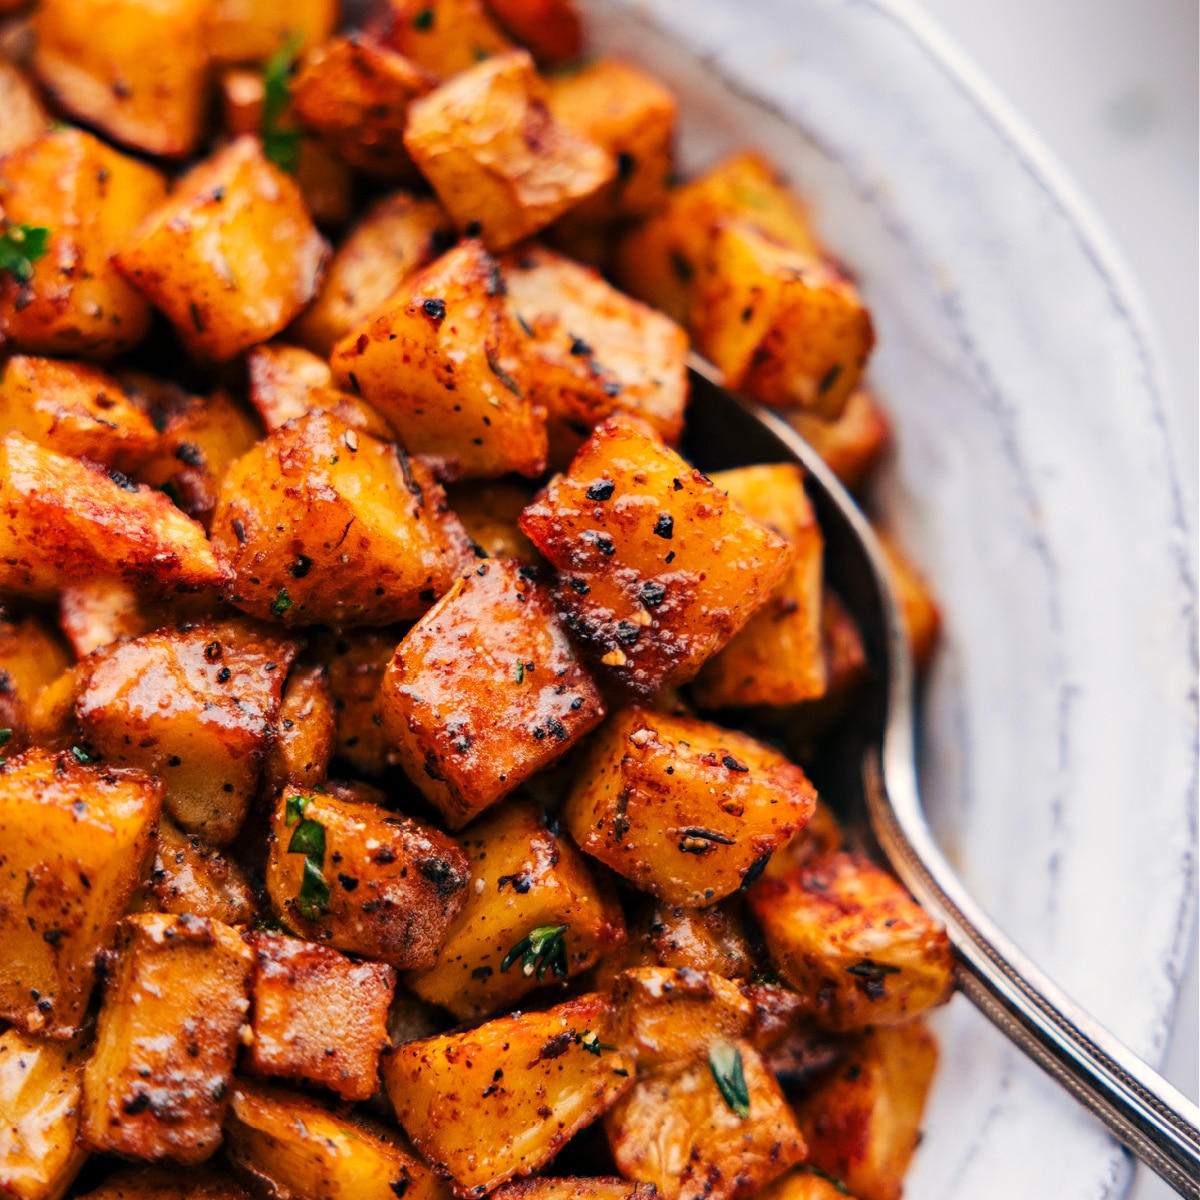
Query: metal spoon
[871, 763]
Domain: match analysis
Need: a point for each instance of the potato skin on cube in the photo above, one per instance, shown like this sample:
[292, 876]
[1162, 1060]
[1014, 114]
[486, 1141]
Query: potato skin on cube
[526, 877]
[74, 841]
[231, 256]
[157, 1084]
[442, 36]
[853, 943]
[683, 809]
[321, 523]
[495, 156]
[363, 879]
[502, 1099]
[306, 733]
[441, 360]
[250, 31]
[486, 690]
[189, 876]
[657, 568]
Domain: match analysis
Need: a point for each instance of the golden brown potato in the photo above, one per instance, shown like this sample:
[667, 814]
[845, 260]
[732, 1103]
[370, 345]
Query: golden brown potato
[319, 1017]
[354, 94]
[167, 1183]
[918, 608]
[40, 1086]
[137, 71]
[489, 510]
[306, 733]
[250, 31]
[322, 523]
[31, 657]
[541, 1077]
[551, 29]
[231, 256]
[683, 809]
[364, 879]
[88, 196]
[713, 1128]
[499, 162]
[778, 658]
[395, 238]
[75, 841]
[658, 569]
[485, 691]
[157, 1084]
[632, 116]
[442, 36]
[189, 876]
[853, 943]
[804, 1183]
[863, 1123]
[851, 445]
[534, 913]
[574, 1189]
[51, 717]
[845, 669]
[205, 699]
[94, 613]
[821, 837]
[293, 1146]
[594, 351]
[23, 117]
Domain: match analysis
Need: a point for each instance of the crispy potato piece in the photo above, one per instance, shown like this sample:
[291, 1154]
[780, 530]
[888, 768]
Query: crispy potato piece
[52, 724]
[497, 159]
[778, 658]
[632, 116]
[189, 876]
[918, 608]
[439, 361]
[803, 1183]
[853, 943]
[489, 511]
[157, 1083]
[31, 657]
[231, 257]
[677, 1130]
[321, 523]
[75, 841]
[94, 613]
[292, 1146]
[845, 670]
[683, 809]
[364, 879]
[75, 409]
[396, 237]
[250, 31]
[854, 443]
[821, 837]
[354, 94]
[307, 733]
[40, 1086]
[527, 879]
[486, 690]
[441, 36]
[319, 1017]
[89, 197]
[863, 1123]
[709, 939]
[543, 1077]
[136, 70]
[569, 1188]
[165, 1183]
[204, 699]
[658, 261]
[594, 351]
[551, 29]
[23, 117]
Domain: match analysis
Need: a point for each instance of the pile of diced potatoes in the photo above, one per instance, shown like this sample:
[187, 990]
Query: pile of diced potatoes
[402, 788]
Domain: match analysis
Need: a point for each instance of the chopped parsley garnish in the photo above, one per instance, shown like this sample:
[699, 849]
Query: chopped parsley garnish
[542, 949]
[591, 1042]
[294, 809]
[20, 247]
[313, 896]
[725, 1062]
[825, 1175]
[5, 736]
[308, 838]
[281, 143]
[82, 756]
[281, 603]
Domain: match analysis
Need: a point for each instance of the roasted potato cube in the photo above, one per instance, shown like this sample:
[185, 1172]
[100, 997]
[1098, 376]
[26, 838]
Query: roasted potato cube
[821, 837]
[594, 351]
[354, 94]
[551, 29]
[863, 1123]
[291, 1145]
[364, 879]
[852, 444]
[632, 116]
[250, 31]
[395, 238]
[97, 612]
[712, 1128]
[918, 608]
[307, 733]
[40, 1086]
[322, 523]
[683, 809]
[74, 841]
[88, 196]
[853, 943]
[204, 700]
[166, 1183]
[535, 912]
[157, 1084]
[189, 876]
[485, 691]
[575, 1189]
[23, 117]
[441, 36]
[31, 657]
[231, 256]
[709, 939]
[778, 658]
[541, 1077]
[785, 328]
[51, 722]
[803, 1183]
[438, 361]
[658, 568]
[136, 70]
[497, 159]
[845, 670]
[489, 511]
[319, 1017]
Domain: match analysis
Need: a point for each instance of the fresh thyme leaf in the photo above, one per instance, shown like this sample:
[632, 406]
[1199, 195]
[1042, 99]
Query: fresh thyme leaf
[725, 1062]
[872, 970]
[281, 603]
[281, 143]
[542, 949]
[309, 838]
[314, 892]
[505, 378]
[20, 247]
[294, 809]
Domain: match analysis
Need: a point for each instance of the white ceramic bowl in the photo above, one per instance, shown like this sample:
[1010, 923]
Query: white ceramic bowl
[1033, 482]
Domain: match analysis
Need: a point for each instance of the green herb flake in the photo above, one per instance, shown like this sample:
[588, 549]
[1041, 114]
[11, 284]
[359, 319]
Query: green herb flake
[313, 896]
[591, 1043]
[542, 949]
[507, 380]
[309, 838]
[281, 143]
[518, 671]
[810, 1169]
[20, 247]
[423, 20]
[82, 756]
[5, 736]
[725, 1062]
[281, 603]
[294, 809]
